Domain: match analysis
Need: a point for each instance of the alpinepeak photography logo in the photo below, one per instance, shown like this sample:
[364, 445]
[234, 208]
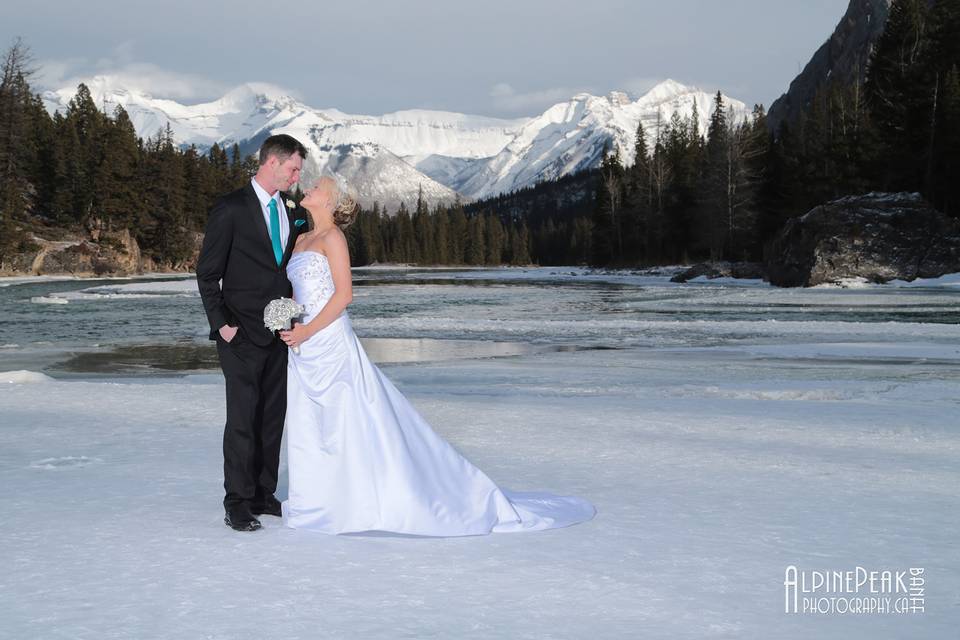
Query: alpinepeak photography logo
[854, 591]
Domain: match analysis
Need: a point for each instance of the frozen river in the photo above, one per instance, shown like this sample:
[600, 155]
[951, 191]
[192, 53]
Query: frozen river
[724, 430]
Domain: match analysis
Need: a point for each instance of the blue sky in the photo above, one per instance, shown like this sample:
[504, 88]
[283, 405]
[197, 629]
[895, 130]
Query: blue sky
[493, 57]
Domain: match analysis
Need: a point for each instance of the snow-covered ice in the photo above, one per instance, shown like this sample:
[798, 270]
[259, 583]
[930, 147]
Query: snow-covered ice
[720, 445]
[711, 473]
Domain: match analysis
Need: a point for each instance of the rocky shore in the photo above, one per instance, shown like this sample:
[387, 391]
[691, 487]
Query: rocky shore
[876, 237]
[95, 252]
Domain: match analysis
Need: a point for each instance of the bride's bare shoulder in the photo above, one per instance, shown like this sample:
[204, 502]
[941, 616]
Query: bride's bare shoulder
[333, 236]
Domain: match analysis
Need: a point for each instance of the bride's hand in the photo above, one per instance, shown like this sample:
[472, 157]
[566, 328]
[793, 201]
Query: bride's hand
[295, 336]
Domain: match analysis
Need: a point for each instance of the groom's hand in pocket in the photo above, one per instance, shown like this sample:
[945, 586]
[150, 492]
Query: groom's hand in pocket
[228, 333]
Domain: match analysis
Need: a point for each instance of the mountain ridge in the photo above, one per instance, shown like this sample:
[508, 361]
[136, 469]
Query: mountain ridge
[391, 158]
[844, 57]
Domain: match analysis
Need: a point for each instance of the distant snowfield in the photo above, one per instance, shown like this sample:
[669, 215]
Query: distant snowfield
[712, 470]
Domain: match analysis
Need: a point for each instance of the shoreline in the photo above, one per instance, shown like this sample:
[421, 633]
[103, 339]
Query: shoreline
[949, 280]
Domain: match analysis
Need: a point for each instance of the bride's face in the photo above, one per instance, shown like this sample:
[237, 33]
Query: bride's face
[320, 196]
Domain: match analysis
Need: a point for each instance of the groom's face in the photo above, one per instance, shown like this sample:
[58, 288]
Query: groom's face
[287, 172]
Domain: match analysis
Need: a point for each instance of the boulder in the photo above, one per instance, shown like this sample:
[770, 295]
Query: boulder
[877, 236]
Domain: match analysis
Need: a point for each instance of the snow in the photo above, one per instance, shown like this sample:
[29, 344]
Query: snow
[712, 470]
[947, 280]
[48, 300]
[22, 377]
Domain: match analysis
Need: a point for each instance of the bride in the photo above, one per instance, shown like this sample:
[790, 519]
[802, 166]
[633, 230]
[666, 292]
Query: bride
[360, 457]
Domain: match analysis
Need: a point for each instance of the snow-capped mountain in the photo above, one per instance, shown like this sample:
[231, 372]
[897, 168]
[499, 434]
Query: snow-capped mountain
[240, 115]
[570, 136]
[390, 158]
[251, 112]
[381, 156]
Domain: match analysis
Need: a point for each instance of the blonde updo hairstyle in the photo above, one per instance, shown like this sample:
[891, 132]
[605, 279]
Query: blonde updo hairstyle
[346, 208]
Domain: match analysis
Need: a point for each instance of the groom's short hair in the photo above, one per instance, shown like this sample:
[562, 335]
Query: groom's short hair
[282, 146]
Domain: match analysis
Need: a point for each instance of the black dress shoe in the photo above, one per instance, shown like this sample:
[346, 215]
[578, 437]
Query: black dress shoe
[270, 506]
[239, 518]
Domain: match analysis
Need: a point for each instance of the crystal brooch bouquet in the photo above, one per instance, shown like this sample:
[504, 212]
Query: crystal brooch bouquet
[280, 313]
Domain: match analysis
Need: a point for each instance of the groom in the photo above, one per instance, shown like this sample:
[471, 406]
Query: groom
[241, 268]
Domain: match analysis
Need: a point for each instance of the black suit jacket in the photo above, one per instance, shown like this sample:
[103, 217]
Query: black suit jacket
[237, 251]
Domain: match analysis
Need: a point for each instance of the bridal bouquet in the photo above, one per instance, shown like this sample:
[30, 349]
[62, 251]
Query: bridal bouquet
[279, 313]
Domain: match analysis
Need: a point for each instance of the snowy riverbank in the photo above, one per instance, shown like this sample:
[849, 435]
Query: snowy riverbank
[712, 470]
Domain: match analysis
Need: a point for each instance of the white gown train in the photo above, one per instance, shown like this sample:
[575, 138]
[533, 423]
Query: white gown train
[361, 458]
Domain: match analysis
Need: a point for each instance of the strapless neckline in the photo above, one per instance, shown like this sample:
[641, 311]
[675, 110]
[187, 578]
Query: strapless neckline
[322, 255]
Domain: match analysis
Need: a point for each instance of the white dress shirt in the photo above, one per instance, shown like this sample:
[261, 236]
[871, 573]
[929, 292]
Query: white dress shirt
[265, 208]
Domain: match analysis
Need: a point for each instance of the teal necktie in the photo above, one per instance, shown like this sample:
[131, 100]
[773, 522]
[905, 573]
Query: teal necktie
[275, 231]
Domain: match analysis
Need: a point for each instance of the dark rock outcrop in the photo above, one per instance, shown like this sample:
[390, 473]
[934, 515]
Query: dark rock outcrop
[877, 236]
[713, 270]
[842, 58]
[112, 254]
[100, 253]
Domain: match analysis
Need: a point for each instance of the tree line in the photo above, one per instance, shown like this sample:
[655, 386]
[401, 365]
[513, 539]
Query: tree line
[445, 234]
[690, 195]
[85, 169]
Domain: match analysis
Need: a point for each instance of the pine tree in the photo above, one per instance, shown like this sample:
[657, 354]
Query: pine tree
[238, 175]
[661, 182]
[494, 240]
[519, 245]
[168, 239]
[475, 249]
[581, 238]
[69, 169]
[405, 247]
[17, 150]
[943, 57]
[607, 224]
[899, 91]
[441, 235]
[640, 201]
[683, 156]
[423, 228]
[745, 153]
[367, 227]
[47, 172]
[946, 174]
[85, 151]
[458, 239]
[713, 205]
[115, 196]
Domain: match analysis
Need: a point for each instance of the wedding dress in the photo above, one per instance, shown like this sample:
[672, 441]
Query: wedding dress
[360, 457]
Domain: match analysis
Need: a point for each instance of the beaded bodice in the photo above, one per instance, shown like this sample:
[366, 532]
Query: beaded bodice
[309, 273]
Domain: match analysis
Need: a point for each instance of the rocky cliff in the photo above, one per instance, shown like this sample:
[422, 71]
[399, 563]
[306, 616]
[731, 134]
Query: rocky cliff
[842, 57]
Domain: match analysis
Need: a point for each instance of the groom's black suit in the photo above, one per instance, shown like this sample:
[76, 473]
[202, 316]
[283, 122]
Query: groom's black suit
[237, 250]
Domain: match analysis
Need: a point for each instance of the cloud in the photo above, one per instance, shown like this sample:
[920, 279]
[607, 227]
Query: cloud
[129, 73]
[506, 98]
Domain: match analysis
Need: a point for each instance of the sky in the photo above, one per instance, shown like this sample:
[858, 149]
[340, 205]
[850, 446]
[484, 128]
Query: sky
[503, 58]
